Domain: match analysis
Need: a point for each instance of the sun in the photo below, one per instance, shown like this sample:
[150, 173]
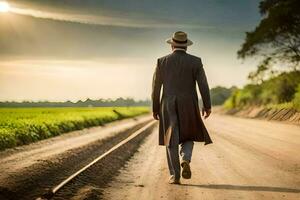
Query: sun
[4, 6]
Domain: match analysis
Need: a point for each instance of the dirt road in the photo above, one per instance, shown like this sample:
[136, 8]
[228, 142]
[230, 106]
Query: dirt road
[249, 159]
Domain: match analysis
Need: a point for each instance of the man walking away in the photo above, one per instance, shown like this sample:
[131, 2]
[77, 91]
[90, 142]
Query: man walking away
[178, 112]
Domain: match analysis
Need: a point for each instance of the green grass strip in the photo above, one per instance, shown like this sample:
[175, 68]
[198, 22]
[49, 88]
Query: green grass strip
[19, 126]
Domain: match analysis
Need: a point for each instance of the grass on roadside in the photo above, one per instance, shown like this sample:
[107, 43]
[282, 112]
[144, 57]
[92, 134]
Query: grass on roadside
[19, 126]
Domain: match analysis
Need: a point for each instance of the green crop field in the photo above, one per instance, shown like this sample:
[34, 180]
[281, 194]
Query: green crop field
[20, 126]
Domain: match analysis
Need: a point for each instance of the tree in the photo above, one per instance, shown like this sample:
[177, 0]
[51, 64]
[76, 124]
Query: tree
[276, 38]
[220, 94]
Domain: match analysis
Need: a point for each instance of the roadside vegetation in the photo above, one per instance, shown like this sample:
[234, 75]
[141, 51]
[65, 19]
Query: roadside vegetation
[282, 91]
[19, 126]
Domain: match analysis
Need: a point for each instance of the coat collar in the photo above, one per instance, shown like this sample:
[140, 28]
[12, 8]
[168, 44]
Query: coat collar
[178, 50]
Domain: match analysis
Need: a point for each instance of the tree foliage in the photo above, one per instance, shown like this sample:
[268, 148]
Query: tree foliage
[277, 36]
[220, 94]
[296, 100]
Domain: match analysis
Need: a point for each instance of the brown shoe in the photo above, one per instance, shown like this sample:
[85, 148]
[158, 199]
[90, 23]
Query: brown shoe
[186, 169]
[172, 180]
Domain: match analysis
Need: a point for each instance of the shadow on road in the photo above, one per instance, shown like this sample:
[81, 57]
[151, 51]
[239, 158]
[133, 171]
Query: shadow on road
[248, 188]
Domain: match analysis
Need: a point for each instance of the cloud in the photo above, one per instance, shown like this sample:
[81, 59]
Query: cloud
[105, 20]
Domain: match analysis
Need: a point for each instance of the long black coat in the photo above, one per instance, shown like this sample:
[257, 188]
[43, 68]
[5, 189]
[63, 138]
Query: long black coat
[177, 73]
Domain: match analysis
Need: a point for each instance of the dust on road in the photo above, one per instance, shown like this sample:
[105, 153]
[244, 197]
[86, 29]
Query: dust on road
[249, 159]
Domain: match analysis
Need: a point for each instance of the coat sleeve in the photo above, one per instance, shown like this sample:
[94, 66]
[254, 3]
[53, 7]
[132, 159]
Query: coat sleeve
[203, 85]
[156, 87]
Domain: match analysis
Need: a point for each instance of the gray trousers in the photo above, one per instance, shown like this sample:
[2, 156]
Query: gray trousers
[186, 149]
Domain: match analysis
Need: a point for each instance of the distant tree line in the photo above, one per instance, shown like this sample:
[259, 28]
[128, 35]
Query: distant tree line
[218, 94]
[122, 102]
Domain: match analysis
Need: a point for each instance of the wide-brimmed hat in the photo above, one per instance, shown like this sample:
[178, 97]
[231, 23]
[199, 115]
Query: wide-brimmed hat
[179, 39]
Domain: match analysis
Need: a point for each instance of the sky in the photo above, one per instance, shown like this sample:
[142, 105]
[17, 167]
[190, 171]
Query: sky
[61, 50]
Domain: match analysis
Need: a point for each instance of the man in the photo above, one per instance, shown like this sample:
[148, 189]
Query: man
[178, 111]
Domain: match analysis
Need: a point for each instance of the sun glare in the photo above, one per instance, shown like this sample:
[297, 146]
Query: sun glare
[4, 6]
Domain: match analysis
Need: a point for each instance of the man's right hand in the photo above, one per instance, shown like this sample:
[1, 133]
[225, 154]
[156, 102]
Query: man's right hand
[207, 112]
[156, 116]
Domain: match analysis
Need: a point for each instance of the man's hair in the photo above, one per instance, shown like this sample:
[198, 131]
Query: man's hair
[180, 47]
